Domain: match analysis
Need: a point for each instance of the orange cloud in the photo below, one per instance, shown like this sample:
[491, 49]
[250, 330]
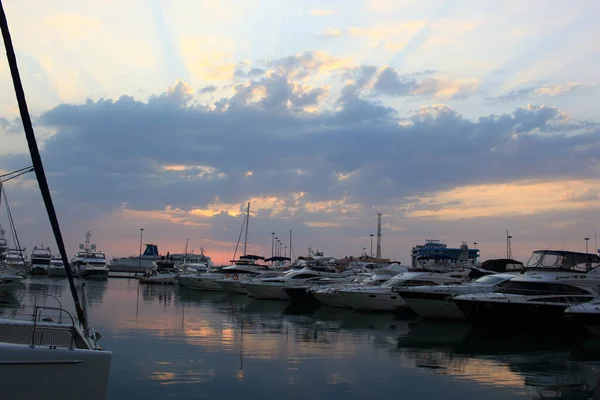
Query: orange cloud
[516, 198]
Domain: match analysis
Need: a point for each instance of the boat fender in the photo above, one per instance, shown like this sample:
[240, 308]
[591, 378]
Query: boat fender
[235, 277]
[227, 276]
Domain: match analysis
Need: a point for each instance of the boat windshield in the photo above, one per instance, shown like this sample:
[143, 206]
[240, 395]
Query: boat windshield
[490, 279]
[540, 288]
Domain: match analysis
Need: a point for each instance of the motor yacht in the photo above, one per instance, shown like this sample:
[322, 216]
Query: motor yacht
[552, 280]
[435, 301]
[90, 262]
[235, 284]
[40, 260]
[275, 288]
[330, 294]
[245, 267]
[384, 297]
[162, 271]
[14, 260]
[56, 267]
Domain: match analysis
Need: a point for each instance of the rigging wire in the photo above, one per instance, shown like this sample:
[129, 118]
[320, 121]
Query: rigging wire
[14, 174]
[36, 159]
[11, 223]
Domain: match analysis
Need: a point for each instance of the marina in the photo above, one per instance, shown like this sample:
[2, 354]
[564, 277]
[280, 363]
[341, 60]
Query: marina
[406, 232]
[168, 341]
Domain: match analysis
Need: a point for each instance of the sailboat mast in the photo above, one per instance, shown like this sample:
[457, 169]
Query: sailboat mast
[38, 167]
[247, 223]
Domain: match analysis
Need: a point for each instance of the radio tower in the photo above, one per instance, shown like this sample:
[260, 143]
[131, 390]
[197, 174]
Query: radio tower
[378, 255]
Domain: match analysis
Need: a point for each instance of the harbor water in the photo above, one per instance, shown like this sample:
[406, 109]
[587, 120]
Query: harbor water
[169, 342]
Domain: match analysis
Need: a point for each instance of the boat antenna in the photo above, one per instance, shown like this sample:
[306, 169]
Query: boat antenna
[36, 160]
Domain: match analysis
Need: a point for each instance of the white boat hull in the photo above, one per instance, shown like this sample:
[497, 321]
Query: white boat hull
[373, 301]
[233, 286]
[267, 291]
[331, 298]
[53, 373]
[87, 273]
[200, 283]
[433, 308]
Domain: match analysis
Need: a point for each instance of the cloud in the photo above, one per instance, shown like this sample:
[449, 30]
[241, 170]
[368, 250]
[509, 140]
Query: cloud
[390, 83]
[243, 71]
[322, 13]
[331, 33]
[505, 199]
[207, 89]
[545, 90]
[310, 158]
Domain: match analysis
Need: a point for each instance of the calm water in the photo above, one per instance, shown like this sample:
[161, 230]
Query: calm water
[169, 342]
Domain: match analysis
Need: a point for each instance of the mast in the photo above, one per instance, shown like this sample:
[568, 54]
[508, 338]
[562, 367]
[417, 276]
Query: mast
[378, 255]
[186, 250]
[247, 223]
[36, 160]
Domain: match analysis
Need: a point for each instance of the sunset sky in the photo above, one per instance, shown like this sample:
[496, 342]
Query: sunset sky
[457, 120]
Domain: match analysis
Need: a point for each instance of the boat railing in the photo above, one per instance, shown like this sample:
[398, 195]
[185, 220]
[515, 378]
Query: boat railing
[37, 318]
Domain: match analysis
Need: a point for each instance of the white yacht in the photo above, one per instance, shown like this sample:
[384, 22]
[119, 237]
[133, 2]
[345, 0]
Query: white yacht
[552, 280]
[235, 284]
[56, 267]
[384, 297]
[436, 301]
[330, 294]
[40, 260]
[275, 288]
[243, 268]
[14, 260]
[90, 262]
[162, 271]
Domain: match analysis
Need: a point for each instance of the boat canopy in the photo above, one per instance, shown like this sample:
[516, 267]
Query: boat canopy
[562, 259]
[251, 257]
[277, 258]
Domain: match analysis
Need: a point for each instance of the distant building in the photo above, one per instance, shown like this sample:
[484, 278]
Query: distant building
[435, 250]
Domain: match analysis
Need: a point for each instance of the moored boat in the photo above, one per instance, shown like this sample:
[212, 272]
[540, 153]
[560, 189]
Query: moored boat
[40, 260]
[552, 280]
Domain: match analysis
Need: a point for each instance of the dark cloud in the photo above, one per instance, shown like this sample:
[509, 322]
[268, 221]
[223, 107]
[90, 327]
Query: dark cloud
[11, 127]
[241, 72]
[390, 83]
[207, 89]
[125, 144]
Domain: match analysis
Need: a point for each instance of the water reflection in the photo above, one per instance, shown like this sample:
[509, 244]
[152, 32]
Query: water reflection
[166, 339]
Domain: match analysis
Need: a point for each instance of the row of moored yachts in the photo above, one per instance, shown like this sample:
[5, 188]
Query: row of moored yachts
[553, 287]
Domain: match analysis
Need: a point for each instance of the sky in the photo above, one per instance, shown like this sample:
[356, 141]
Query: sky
[457, 120]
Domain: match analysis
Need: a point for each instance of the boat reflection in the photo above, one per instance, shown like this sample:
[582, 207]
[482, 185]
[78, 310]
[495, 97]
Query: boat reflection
[548, 366]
